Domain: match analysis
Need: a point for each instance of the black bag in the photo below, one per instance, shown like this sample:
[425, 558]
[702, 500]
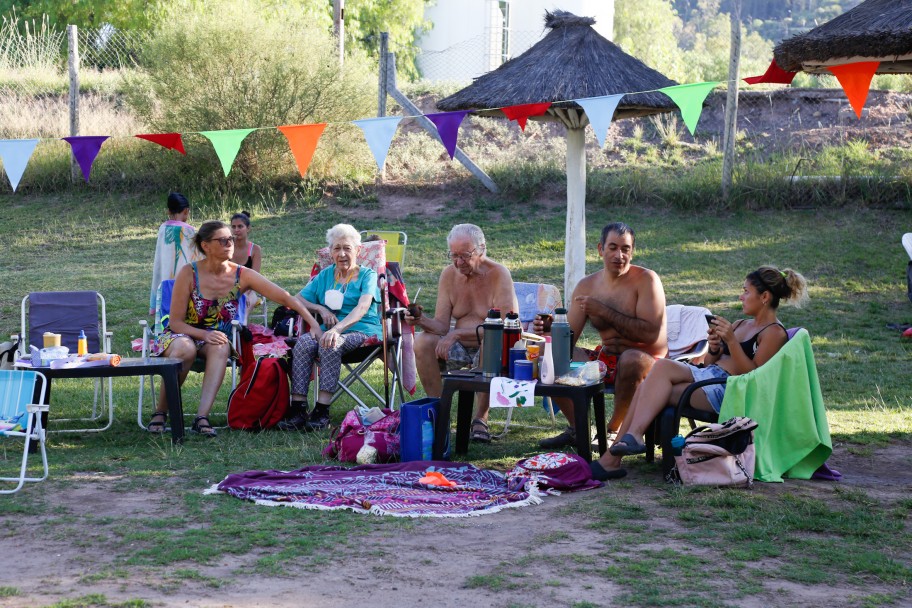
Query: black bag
[284, 321]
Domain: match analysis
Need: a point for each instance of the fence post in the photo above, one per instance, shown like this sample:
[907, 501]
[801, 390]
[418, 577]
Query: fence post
[384, 61]
[731, 102]
[73, 62]
[339, 27]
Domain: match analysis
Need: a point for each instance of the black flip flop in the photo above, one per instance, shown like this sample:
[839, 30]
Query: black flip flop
[602, 474]
[627, 446]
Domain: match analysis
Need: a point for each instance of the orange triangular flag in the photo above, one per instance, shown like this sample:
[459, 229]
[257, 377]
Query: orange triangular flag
[855, 79]
[302, 139]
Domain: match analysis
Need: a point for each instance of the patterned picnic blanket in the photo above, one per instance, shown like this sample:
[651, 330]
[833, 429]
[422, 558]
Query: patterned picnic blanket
[381, 489]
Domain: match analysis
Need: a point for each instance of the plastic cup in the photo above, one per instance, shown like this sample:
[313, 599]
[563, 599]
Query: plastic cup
[523, 370]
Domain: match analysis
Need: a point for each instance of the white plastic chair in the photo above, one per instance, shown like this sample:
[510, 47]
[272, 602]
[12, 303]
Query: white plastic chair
[907, 243]
[20, 417]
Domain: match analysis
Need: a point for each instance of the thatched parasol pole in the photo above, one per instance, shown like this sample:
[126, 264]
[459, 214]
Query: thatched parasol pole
[575, 233]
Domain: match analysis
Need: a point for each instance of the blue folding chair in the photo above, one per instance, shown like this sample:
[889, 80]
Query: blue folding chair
[67, 313]
[20, 417]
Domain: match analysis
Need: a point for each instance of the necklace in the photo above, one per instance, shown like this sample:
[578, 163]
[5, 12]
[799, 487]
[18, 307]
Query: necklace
[343, 279]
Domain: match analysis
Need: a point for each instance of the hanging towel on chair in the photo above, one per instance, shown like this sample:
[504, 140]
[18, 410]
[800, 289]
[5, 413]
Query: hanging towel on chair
[173, 249]
[784, 397]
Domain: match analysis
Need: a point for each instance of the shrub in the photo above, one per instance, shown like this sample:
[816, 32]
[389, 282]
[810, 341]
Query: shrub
[245, 64]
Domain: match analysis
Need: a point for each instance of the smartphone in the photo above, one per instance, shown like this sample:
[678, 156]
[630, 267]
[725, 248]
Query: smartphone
[461, 374]
[709, 319]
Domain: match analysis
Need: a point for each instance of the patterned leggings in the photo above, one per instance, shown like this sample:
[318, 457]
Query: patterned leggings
[307, 350]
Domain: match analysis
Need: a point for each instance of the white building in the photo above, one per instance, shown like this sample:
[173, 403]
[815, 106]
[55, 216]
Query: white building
[472, 37]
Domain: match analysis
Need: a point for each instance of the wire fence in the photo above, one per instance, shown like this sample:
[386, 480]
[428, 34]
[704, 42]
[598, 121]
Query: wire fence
[793, 124]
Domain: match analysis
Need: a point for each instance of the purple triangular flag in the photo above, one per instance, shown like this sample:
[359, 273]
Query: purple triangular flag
[85, 149]
[447, 124]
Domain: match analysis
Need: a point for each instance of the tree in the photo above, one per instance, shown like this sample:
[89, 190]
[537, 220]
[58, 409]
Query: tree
[648, 30]
[122, 14]
[403, 19]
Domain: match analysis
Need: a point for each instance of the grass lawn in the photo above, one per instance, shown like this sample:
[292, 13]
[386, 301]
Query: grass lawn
[657, 545]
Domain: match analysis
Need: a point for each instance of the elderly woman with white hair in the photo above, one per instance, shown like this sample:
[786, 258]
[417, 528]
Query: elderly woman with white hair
[347, 298]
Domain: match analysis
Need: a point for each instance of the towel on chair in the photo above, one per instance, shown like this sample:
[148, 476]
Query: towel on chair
[784, 397]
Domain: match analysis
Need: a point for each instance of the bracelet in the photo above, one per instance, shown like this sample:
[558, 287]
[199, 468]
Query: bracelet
[714, 353]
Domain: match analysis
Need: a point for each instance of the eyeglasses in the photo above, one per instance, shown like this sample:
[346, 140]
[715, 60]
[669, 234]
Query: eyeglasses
[224, 241]
[465, 257]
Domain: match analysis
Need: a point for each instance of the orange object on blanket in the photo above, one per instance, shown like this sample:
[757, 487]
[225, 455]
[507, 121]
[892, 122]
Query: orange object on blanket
[433, 478]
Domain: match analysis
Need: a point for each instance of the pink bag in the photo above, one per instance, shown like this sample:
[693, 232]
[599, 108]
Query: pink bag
[718, 455]
[347, 440]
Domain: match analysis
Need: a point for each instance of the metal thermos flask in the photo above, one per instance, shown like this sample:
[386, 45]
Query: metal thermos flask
[512, 335]
[492, 344]
[560, 342]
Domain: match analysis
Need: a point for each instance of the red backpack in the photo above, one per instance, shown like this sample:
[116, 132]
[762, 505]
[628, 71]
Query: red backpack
[260, 399]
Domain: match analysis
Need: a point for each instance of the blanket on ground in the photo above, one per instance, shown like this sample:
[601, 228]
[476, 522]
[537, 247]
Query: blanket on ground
[381, 489]
[784, 397]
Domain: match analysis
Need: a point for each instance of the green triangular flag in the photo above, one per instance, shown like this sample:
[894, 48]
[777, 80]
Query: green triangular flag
[689, 98]
[227, 144]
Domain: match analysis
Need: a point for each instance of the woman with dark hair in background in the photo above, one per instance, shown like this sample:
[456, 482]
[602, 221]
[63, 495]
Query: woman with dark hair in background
[734, 349]
[174, 246]
[246, 252]
[208, 293]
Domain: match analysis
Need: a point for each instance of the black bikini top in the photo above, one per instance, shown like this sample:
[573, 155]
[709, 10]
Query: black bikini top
[749, 346]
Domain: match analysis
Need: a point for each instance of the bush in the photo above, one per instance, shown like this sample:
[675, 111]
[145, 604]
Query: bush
[244, 64]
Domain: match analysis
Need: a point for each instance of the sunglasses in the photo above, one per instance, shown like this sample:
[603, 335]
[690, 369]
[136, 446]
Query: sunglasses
[224, 241]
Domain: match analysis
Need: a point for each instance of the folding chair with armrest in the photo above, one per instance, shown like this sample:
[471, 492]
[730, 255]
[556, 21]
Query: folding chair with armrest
[356, 363]
[20, 417]
[67, 313]
[796, 359]
[162, 314]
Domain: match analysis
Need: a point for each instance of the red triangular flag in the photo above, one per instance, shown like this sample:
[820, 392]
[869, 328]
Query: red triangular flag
[773, 75]
[172, 141]
[855, 79]
[522, 112]
[302, 139]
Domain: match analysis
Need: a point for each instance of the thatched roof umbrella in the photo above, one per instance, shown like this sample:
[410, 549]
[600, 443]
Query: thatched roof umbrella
[875, 30]
[572, 62]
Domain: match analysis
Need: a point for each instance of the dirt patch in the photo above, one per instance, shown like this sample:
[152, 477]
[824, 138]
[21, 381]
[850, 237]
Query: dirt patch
[548, 555]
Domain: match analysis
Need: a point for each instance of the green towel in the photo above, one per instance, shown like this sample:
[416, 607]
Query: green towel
[783, 396]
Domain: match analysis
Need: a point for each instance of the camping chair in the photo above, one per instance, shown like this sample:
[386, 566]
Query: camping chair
[534, 298]
[795, 353]
[20, 416]
[356, 363]
[67, 313]
[162, 314]
[395, 244]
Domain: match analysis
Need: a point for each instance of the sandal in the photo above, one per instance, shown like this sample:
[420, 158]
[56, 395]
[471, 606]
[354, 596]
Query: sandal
[205, 430]
[157, 422]
[627, 446]
[480, 431]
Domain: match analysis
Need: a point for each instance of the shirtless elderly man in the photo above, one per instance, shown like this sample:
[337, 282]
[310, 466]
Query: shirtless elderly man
[626, 305]
[467, 289]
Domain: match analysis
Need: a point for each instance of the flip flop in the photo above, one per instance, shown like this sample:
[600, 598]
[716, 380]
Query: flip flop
[825, 473]
[602, 474]
[627, 446]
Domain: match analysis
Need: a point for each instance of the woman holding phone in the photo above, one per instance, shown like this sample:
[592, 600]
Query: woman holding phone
[734, 349]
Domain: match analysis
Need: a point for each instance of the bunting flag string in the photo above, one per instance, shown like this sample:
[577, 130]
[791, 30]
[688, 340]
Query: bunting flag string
[302, 139]
[85, 149]
[447, 124]
[227, 144]
[689, 98]
[855, 79]
[15, 155]
[600, 111]
[379, 134]
[523, 112]
[170, 141]
[773, 75]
